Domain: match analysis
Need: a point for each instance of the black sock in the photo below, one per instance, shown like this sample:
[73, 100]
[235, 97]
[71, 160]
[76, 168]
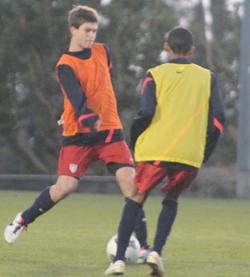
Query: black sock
[165, 222]
[126, 227]
[141, 229]
[41, 205]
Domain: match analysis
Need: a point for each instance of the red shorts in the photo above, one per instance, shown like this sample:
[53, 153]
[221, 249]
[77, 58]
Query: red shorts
[74, 160]
[148, 176]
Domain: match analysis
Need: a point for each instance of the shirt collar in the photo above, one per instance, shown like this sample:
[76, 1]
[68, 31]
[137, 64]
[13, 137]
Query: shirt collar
[180, 61]
[82, 54]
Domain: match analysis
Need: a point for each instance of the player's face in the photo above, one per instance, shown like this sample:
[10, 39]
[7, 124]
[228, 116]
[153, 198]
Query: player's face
[85, 35]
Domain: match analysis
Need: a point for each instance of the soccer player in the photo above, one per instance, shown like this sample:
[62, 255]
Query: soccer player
[180, 120]
[92, 129]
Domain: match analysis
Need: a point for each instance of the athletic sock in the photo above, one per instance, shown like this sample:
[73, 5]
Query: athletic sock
[141, 229]
[165, 222]
[41, 205]
[126, 227]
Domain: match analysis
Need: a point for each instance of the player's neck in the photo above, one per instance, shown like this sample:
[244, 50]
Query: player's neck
[75, 47]
[179, 56]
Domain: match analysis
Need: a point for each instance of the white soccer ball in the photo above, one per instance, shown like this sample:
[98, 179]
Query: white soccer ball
[132, 252]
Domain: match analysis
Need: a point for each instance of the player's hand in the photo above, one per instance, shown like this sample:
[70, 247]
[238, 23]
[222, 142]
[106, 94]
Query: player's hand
[97, 124]
[90, 120]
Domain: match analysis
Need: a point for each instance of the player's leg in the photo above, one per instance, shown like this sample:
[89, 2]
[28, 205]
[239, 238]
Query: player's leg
[126, 182]
[43, 203]
[133, 207]
[165, 221]
[125, 229]
[141, 234]
[147, 177]
[177, 182]
[50, 196]
[70, 167]
[119, 162]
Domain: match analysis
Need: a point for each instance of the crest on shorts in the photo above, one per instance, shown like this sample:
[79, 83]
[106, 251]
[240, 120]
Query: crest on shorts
[73, 168]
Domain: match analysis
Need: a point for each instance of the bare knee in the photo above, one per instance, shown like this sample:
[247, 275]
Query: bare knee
[125, 179]
[139, 198]
[64, 186]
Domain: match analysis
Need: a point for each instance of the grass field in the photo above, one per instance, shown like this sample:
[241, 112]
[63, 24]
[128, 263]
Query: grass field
[211, 238]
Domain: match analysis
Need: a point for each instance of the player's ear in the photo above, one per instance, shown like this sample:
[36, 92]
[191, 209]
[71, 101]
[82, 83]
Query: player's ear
[191, 51]
[166, 47]
[72, 30]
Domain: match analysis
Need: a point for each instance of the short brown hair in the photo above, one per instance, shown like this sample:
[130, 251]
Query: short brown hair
[180, 40]
[81, 14]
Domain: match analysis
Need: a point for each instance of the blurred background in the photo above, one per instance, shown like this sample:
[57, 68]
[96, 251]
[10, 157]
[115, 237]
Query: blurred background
[33, 36]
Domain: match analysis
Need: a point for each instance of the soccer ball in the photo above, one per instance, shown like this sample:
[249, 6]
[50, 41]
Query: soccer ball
[132, 252]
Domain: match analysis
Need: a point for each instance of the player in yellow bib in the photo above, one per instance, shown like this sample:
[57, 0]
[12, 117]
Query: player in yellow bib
[177, 128]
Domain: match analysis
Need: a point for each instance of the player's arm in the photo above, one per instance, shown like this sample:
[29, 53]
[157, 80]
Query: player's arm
[147, 109]
[109, 61]
[67, 79]
[110, 65]
[216, 119]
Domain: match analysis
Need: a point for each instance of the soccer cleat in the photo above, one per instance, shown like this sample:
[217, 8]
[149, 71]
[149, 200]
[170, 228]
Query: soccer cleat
[155, 263]
[13, 231]
[143, 255]
[116, 268]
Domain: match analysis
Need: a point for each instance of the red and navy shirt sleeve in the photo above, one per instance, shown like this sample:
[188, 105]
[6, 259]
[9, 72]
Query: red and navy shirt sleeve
[110, 65]
[147, 109]
[72, 88]
[76, 96]
[216, 119]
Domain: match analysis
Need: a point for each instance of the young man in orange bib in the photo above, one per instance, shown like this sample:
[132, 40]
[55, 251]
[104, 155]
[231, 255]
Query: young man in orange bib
[180, 120]
[92, 129]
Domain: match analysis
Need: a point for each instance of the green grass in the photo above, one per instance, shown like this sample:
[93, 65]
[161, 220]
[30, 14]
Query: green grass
[210, 238]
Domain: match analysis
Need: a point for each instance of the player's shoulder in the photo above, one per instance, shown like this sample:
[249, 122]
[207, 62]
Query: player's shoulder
[101, 46]
[157, 68]
[201, 68]
[66, 59]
